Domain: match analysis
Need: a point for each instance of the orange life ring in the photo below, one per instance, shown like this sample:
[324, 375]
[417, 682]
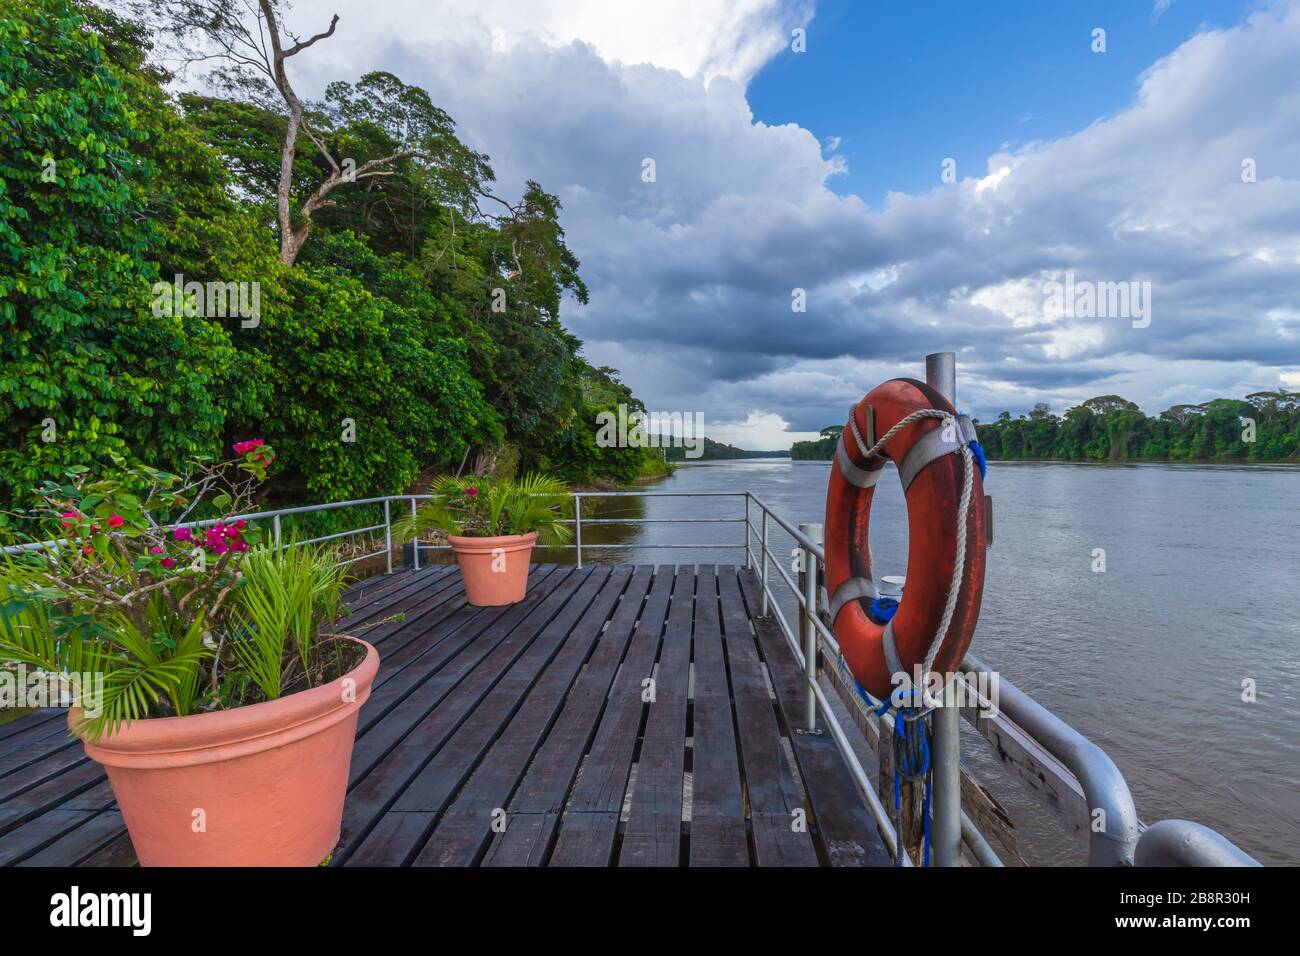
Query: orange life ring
[932, 477]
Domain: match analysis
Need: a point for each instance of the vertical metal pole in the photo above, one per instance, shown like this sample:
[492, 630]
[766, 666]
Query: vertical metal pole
[763, 544]
[941, 375]
[388, 533]
[577, 525]
[809, 562]
[415, 543]
[749, 554]
[276, 524]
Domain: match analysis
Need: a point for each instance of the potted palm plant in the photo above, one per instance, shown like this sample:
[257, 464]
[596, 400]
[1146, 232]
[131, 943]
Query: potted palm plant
[204, 675]
[492, 525]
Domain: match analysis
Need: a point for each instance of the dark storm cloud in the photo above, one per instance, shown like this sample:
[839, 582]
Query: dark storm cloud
[692, 275]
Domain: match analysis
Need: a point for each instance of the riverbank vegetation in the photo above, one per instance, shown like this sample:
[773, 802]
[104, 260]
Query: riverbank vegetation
[822, 449]
[1264, 427]
[340, 276]
[716, 451]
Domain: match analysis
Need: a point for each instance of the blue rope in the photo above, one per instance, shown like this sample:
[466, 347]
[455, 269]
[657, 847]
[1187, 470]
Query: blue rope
[911, 759]
[883, 609]
[977, 450]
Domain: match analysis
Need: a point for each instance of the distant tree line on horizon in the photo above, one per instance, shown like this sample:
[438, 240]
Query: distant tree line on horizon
[1265, 426]
[718, 451]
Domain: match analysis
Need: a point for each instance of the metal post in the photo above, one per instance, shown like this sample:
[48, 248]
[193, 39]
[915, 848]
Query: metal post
[276, 524]
[941, 375]
[415, 543]
[577, 525]
[749, 554]
[808, 561]
[388, 533]
[764, 545]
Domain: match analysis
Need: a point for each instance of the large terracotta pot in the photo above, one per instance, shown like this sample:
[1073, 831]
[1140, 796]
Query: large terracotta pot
[495, 569]
[261, 785]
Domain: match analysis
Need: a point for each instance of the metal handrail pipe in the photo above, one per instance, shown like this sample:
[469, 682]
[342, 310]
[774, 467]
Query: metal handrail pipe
[1184, 843]
[826, 634]
[247, 516]
[336, 535]
[976, 843]
[1113, 838]
[587, 521]
[794, 532]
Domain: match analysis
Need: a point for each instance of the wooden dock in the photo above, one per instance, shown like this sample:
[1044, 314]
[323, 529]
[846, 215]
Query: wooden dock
[629, 716]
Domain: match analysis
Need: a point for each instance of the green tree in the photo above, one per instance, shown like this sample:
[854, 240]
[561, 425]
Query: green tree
[93, 188]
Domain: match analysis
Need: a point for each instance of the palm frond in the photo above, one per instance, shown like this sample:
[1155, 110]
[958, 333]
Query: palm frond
[533, 502]
[284, 596]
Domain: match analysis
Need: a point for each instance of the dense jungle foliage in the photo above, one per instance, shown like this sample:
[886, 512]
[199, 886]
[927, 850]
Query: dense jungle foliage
[412, 334]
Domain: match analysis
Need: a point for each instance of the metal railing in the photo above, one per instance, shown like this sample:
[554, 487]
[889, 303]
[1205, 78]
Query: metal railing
[1121, 841]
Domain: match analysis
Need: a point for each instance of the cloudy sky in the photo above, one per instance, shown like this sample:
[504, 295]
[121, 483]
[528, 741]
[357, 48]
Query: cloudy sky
[778, 170]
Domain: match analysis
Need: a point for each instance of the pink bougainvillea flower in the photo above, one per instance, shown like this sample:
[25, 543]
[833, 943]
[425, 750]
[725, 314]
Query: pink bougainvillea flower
[70, 517]
[241, 524]
[182, 534]
[156, 550]
[244, 447]
[116, 521]
[471, 492]
[168, 563]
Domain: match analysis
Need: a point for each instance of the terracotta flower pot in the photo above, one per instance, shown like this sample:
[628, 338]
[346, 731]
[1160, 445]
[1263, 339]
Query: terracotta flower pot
[261, 785]
[495, 569]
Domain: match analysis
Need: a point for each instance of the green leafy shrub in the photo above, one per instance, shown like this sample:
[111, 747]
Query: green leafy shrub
[485, 507]
[168, 617]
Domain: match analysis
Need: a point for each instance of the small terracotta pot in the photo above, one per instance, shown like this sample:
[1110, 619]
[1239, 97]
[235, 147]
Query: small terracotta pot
[495, 569]
[261, 785]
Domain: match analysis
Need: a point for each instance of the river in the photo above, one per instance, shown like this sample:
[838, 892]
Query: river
[1200, 595]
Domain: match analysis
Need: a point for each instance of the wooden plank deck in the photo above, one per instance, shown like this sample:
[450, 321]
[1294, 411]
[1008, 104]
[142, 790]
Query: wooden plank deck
[618, 716]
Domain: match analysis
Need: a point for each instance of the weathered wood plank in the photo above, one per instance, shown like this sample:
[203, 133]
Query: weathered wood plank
[586, 839]
[598, 792]
[119, 852]
[48, 738]
[456, 690]
[31, 723]
[480, 720]
[525, 841]
[717, 835]
[844, 825]
[494, 779]
[653, 833]
[52, 793]
[31, 837]
[554, 723]
[438, 638]
[383, 599]
[74, 846]
[776, 804]
[476, 633]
